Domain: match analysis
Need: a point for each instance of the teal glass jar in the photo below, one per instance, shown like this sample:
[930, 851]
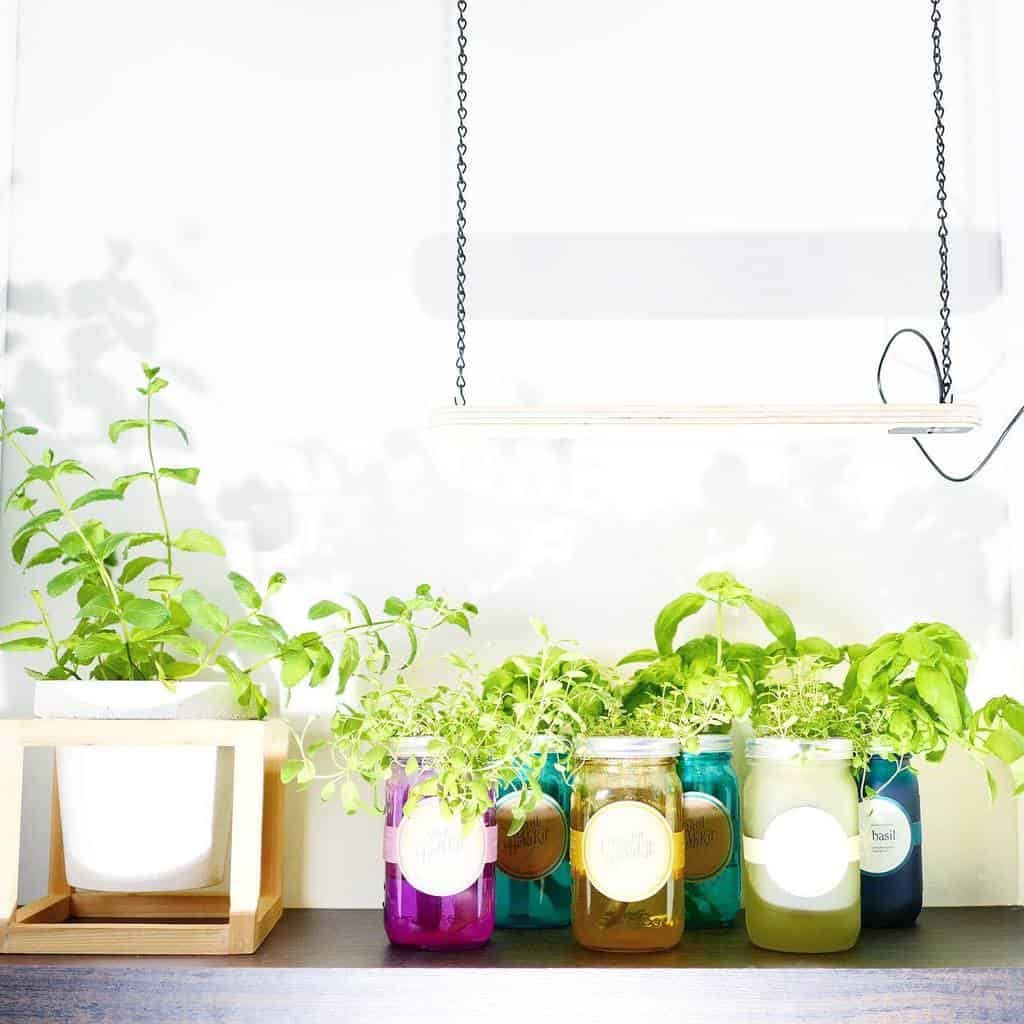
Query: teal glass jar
[534, 881]
[711, 813]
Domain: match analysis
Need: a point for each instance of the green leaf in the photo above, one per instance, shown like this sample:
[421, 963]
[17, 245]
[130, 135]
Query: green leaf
[70, 467]
[1006, 744]
[349, 797]
[21, 626]
[134, 568]
[459, 619]
[138, 539]
[290, 769]
[122, 483]
[327, 791]
[198, 540]
[361, 605]
[145, 614]
[323, 662]
[245, 591]
[394, 606]
[205, 614]
[64, 581]
[638, 657]
[111, 543]
[44, 557]
[39, 522]
[667, 623]
[165, 584]
[295, 666]
[348, 661]
[251, 636]
[919, 648]
[97, 644]
[99, 494]
[276, 582]
[323, 609]
[186, 644]
[779, 624]
[24, 643]
[119, 427]
[820, 649]
[275, 627]
[97, 607]
[173, 426]
[181, 669]
[186, 475]
[936, 689]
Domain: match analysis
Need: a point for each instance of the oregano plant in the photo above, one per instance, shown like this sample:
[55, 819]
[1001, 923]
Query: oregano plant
[475, 746]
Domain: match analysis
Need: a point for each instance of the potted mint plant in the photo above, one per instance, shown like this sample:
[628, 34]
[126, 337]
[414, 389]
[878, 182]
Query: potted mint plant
[125, 637]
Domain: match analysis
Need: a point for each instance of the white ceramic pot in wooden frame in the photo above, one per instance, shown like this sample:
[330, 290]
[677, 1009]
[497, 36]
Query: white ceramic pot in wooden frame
[142, 819]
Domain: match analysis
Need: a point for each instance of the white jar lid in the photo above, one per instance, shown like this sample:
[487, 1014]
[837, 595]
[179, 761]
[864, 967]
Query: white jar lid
[785, 748]
[413, 746]
[627, 747]
[715, 743]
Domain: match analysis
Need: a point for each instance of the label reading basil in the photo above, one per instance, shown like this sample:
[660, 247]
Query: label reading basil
[709, 836]
[629, 851]
[539, 846]
[886, 834]
[435, 854]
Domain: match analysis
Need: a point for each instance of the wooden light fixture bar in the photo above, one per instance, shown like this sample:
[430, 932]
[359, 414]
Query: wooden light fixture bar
[585, 420]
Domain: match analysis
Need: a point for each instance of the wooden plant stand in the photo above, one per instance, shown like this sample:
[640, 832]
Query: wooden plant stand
[68, 920]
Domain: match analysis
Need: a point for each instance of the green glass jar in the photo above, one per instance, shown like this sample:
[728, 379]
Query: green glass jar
[801, 846]
[533, 883]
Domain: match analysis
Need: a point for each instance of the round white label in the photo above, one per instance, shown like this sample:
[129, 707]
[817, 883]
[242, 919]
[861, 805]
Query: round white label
[806, 852]
[627, 851]
[886, 836]
[435, 855]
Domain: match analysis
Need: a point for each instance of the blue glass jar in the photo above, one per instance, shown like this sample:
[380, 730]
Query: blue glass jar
[891, 874]
[534, 880]
[711, 811]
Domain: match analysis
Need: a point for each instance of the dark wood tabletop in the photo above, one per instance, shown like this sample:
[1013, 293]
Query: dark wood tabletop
[336, 965]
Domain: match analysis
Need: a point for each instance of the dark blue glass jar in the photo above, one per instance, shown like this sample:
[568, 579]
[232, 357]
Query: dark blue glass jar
[891, 875]
[711, 811]
[534, 880]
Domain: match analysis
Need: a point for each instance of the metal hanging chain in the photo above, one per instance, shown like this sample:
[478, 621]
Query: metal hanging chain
[943, 369]
[946, 386]
[460, 216]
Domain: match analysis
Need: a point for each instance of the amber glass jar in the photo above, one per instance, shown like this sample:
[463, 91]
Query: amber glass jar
[627, 845]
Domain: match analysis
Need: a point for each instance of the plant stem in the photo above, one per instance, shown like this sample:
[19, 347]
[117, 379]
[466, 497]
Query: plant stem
[719, 614]
[49, 631]
[156, 487]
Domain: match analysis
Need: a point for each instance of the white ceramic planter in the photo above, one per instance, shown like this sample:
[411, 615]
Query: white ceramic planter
[142, 819]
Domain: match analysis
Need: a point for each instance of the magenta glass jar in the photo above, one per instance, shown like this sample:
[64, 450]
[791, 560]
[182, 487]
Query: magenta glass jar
[438, 880]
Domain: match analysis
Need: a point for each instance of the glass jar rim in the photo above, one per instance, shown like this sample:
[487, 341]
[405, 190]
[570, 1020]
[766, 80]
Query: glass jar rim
[627, 747]
[412, 746]
[785, 748]
[714, 743]
[547, 743]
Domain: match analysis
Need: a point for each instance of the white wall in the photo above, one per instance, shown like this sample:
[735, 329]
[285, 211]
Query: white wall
[244, 194]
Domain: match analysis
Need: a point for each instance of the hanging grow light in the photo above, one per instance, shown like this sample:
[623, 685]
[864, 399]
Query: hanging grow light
[941, 417]
[580, 421]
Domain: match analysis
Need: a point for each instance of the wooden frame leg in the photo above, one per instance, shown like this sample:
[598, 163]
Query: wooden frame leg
[246, 843]
[12, 772]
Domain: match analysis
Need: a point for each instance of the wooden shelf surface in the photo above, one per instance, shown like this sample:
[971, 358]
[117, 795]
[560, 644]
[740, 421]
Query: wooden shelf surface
[336, 965]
